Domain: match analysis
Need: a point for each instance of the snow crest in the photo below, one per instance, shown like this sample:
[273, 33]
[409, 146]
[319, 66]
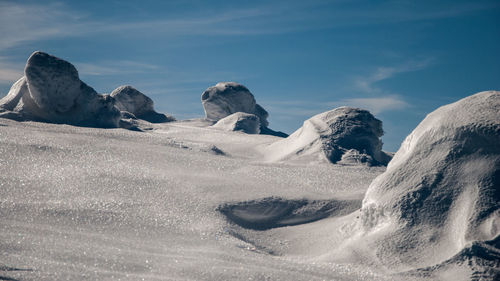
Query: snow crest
[344, 135]
[441, 191]
[239, 121]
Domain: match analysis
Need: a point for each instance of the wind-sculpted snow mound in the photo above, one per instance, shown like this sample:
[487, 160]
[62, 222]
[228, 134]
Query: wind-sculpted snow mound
[51, 91]
[441, 191]
[239, 121]
[344, 135]
[227, 98]
[129, 99]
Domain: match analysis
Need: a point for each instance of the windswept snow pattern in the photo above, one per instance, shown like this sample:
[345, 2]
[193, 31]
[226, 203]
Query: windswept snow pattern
[439, 199]
[344, 135]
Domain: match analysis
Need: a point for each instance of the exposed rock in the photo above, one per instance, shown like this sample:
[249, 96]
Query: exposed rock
[441, 191]
[239, 121]
[344, 135]
[131, 100]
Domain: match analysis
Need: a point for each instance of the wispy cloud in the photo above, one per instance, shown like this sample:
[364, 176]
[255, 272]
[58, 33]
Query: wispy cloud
[114, 68]
[20, 23]
[367, 83]
[377, 105]
[9, 72]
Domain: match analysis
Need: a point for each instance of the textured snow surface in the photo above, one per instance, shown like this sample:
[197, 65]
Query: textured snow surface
[106, 204]
[439, 200]
[239, 121]
[344, 135]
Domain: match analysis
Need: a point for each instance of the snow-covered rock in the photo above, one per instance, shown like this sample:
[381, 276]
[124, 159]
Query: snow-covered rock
[51, 91]
[344, 135]
[129, 99]
[441, 191]
[239, 121]
[227, 98]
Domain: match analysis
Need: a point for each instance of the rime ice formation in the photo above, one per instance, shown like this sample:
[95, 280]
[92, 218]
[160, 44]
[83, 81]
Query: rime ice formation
[129, 99]
[239, 121]
[227, 98]
[440, 195]
[344, 135]
[51, 91]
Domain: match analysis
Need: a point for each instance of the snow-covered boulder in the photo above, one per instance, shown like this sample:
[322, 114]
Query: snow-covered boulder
[51, 91]
[440, 194]
[227, 98]
[239, 121]
[344, 135]
[129, 99]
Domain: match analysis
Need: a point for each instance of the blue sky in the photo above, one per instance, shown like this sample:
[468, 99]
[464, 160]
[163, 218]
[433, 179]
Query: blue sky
[399, 59]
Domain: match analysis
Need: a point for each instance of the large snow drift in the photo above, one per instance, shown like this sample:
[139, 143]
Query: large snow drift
[226, 98]
[129, 99]
[441, 191]
[51, 91]
[239, 121]
[344, 135]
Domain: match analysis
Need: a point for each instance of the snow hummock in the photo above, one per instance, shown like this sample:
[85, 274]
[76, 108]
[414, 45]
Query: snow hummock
[226, 98]
[239, 121]
[440, 195]
[344, 135]
[129, 99]
[51, 91]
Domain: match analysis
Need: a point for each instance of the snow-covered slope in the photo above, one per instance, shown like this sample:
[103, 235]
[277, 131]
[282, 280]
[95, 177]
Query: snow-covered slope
[441, 191]
[344, 135]
[106, 204]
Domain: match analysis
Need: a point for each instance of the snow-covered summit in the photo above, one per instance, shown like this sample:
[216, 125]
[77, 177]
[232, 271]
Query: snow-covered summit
[441, 191]
[344, 135]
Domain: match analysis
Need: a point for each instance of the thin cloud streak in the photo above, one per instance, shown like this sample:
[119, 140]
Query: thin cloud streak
[21, 23]
[366, 84]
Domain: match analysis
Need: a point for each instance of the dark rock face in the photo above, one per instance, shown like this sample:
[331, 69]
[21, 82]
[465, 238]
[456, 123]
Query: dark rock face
[131, 100]
[353, 129]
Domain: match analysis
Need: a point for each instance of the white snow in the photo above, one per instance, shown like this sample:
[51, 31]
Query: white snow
[344, 135]
[440, 192]
[186, 200]
[239, 121]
